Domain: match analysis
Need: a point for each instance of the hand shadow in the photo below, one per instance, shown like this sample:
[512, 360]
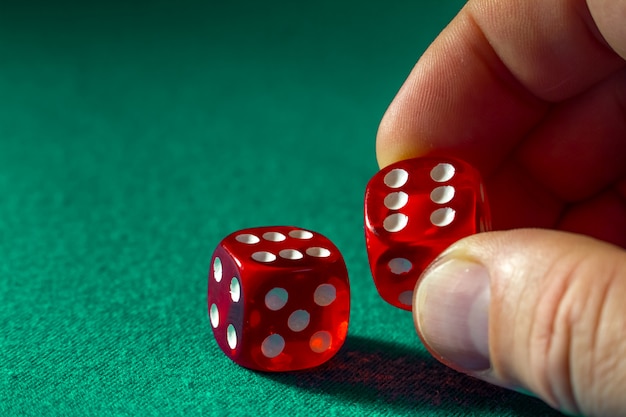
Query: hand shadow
[373, 371]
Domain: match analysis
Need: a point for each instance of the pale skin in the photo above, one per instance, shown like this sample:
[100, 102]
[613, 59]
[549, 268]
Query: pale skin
[533, 93]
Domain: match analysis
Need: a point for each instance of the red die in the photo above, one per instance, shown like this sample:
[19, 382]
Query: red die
[279, 298]
[415, 209]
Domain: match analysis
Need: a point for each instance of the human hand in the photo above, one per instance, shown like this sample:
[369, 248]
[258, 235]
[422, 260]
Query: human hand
[532, 93]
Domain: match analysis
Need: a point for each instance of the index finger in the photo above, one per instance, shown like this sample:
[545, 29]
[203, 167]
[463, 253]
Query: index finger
[490, 77]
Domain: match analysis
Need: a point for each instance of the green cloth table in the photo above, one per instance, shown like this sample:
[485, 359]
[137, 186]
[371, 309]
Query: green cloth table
[133, 137]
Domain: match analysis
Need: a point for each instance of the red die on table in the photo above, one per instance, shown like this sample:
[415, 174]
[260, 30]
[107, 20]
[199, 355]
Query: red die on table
[279, 298]
[414, 209]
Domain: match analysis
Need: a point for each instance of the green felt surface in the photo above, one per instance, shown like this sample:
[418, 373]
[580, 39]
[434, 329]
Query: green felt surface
[133, 137]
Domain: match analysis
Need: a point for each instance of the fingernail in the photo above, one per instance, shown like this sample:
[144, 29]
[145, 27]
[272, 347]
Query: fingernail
[452, 314]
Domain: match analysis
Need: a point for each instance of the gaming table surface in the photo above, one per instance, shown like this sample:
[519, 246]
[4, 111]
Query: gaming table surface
[134, 136]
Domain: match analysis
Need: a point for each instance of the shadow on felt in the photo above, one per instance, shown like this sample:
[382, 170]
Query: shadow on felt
[373, 371]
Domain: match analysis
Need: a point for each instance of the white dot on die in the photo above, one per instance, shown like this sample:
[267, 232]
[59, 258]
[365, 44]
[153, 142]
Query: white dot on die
[395, 201]
[406, 298]
[298, 320]
[399, 266]
[320, 341]
[318, 252]
[443, 194]
[214, 314]
[395, 222]
[263, 256]
[274, 236]
[231, 336]
[247, 238]
[442, 217]
[290, 254]
[301, 234]
[272, 346]
[396, 178]
[276, 298]
[217, 269]
[235, 290]
[442, 172]
[324, 295]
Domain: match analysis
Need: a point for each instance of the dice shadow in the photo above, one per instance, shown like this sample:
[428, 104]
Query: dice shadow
[383, 374]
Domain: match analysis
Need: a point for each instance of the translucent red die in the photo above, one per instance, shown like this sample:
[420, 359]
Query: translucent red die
[414, 209]
[278, 298]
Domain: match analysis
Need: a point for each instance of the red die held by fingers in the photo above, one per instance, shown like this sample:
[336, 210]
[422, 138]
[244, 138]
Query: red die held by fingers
[414, 209]
[279, 298]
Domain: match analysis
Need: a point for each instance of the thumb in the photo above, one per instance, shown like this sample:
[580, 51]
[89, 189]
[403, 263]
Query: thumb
[532, 310]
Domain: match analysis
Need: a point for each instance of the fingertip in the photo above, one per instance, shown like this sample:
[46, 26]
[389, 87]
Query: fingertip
[451, 311]
[391, 144]
[609, 16]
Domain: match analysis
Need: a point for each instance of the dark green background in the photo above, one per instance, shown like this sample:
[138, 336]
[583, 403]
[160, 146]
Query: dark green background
[133, 137]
